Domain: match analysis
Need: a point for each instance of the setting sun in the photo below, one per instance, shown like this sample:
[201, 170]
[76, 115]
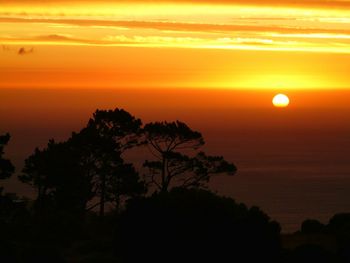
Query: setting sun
[280, 101]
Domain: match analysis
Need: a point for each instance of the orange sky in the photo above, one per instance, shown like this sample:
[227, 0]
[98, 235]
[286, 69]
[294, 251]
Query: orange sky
[279, 45]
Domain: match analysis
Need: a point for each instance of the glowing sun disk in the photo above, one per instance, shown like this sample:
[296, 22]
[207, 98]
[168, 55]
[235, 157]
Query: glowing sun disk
[280, 101]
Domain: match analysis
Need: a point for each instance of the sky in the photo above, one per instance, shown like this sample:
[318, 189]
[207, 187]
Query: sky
[225, 44]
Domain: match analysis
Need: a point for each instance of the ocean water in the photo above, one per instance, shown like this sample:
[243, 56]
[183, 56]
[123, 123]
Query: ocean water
[293, 163]
[295, 171]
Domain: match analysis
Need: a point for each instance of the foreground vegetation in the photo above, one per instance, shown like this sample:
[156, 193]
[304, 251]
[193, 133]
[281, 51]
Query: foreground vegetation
[91, 205]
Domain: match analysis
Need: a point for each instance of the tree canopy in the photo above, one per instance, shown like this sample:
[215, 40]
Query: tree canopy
[89, 169]
[88, 165]
[178, 162]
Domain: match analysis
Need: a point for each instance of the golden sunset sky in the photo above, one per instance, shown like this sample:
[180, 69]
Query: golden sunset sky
[230, 44]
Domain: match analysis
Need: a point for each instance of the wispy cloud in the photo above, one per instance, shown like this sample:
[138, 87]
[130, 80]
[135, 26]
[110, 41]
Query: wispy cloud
[244, 43]
[56, 38]
[307, 3]
[304, 30]
[176, 26]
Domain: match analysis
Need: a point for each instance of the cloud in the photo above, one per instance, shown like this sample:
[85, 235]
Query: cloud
[301, 3]
[222, 28]
[23, 51]
[246, 43]
[155, 40]
[178, 26]
[64, 38]
[55, 38]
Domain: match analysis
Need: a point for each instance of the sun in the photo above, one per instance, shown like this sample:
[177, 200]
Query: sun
[280, 101]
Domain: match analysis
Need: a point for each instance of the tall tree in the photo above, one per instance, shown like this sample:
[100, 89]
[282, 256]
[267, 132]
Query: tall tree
[122, 130]
[177, 159]
[99, 156]
[89, 164]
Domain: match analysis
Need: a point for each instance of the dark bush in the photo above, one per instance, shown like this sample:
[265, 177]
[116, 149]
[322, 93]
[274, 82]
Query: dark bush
[311, 226]
[194, 226]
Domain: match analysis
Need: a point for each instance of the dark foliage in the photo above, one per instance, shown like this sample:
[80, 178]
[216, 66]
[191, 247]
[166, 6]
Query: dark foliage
[312, 226]
[61, 182]
[177, 162]
[339, 226]
[89, 165]
[6, 167]
[121, 131]
[195, 226]
[119, 125]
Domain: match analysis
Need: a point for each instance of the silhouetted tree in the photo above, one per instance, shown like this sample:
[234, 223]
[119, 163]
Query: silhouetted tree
[112, 179]
[6, 167]
[98, 158]
[178, 162]
[61, 181]
[122, 130]
[119, 125]
[339, 226]
[10, 209]
[89, 164]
